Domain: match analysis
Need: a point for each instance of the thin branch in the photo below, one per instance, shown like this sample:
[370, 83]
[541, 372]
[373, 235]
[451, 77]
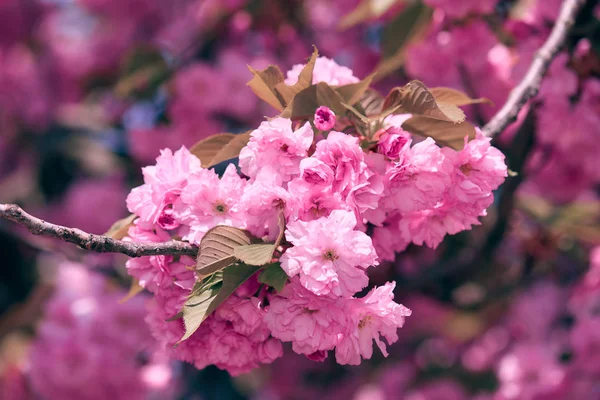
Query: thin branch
[530, 84]
[88, 241]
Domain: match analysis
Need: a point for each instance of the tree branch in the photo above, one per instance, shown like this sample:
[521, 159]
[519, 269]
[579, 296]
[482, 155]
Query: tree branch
[88, 241]
[530, 84]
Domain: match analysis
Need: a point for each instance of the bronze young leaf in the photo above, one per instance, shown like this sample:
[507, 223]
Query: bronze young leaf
[217, 248]
[455, 97]
[263, 85]
[119, 229]
[218, 148]
[353, 92]
[305, 78]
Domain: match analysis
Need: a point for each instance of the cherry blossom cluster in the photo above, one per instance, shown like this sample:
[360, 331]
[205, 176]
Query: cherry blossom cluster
[81, 340]
[331, 193]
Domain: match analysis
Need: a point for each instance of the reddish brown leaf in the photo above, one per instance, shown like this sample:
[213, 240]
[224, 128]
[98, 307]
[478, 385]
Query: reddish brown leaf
[218, 148]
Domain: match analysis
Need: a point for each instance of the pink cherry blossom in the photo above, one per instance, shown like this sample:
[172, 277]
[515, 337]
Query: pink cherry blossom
[528, 371]
[208, 201]
[163, 184]
[262, 201]
[326, 70]
[344, 156]
[276, 143]
[479, 169]
[312, 323]
[329, 255]
[393, 141]
[371, 317]
[324, 119]
[157, 272]
[419, 180]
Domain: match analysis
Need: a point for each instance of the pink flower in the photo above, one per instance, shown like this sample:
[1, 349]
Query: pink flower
[83, 328]
[155, 273]
[419, 180]
[324, 119]
[371, 317]
[262, 201]
[388, 240]
[431, 225]
[312, 323]
[479, 169]
[163, 184]
[529, 371]
[343, 155]
[326, 70]
[234, 338]
[585, 340]
[274, 143]
[208, 201]
[315, 172]
[310, 202]
[393, 141]
[329, 255]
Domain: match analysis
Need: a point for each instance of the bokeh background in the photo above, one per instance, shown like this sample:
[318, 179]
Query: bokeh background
[91, 90]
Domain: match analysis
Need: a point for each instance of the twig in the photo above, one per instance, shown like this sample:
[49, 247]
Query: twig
[88, 241]
[530, 84]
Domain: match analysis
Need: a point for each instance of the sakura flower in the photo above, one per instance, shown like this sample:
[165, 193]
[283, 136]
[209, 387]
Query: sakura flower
[156, 272]
[371, 317]
[329, 255]
[326, 70]
[479, 167]
[388, 240]
[420, 179]
[312, 323]
[343, 155]
[275, 143]
[262, 201]
[393, 141]
[431, 225]
[529, 371]
[324, 119]
[163, 184]
[208, 201]
[234, 338]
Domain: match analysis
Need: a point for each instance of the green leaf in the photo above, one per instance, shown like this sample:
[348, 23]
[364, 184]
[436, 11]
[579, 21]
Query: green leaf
[407, 27]
[196, 310]
[119, 229]
[204, 302]
[217, 248]
[273, 276]
[218, 148]
[142, 72]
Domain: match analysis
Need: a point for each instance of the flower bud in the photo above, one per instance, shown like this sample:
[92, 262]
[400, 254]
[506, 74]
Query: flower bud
[324, 119]
[393, 141]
